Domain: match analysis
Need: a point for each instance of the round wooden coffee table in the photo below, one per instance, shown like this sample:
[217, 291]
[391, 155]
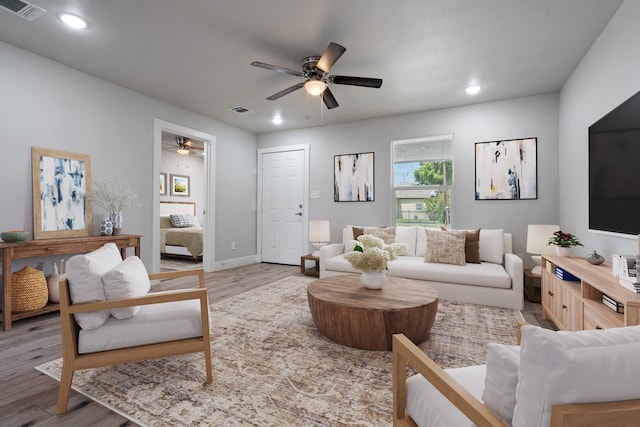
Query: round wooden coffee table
[346, 312]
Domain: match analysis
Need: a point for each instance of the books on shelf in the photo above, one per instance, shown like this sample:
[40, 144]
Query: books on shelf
[565, 275]
[612, 304]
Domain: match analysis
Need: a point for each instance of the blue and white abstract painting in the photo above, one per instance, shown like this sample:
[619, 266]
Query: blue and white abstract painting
[63, 194]
[353, 178]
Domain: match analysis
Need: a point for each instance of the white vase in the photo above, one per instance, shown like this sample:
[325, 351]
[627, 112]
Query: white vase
[116, 220]
[563, 251]
[373, 279]
[53, 285]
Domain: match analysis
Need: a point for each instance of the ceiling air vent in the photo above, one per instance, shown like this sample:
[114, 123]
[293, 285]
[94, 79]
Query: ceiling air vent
[240, 110]
[26, 10]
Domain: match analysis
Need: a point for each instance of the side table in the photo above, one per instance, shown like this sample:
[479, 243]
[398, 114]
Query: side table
[313, 271]
[531, 291]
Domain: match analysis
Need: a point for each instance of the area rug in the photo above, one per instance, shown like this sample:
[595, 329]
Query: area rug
[272, 367]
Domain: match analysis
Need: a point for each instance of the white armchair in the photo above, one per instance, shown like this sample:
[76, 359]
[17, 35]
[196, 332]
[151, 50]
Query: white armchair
[115, 319]
[569, 379]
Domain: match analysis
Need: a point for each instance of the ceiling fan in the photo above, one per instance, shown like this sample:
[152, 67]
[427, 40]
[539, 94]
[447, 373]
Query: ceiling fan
[185, 146]
[315, 70]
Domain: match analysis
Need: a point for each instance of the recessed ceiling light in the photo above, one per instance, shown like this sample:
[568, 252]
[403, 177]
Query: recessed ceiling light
[276, 120]
[473, 89]
[73, 21]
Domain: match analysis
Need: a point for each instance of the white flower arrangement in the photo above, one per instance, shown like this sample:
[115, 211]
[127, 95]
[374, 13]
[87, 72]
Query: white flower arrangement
[371, 253]
[112, 196]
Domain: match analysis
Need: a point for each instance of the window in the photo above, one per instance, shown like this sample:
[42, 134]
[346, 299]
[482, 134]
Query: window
[422, 180]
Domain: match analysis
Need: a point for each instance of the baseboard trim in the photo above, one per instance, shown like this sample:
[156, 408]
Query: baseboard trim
[236, 262]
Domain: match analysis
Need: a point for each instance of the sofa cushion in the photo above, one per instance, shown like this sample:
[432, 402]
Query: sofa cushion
[84, 273]
[492, 245]
[127, 279]
[501, 381]
[427, 406]
[472, 246]
[154, 323]
[407, 235]
[574, 367]
[486, 274]
[445, 246]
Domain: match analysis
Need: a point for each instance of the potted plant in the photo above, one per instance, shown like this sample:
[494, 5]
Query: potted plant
[370, 255]
[564, 242]
[113, 197]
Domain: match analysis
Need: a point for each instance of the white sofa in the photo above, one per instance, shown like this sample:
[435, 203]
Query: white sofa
[496, 281]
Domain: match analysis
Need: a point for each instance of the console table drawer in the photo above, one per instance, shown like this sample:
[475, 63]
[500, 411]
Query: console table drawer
[595, 318]
[44, 250]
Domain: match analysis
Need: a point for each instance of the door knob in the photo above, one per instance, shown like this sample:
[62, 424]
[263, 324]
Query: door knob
[298, 213]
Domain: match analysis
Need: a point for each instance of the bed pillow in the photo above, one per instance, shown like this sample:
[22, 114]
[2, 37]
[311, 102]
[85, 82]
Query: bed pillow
[182, 220]
[127, 279]
[445, 247]
[558, 368]
[492, 245]
[501, 380]
[84, 273]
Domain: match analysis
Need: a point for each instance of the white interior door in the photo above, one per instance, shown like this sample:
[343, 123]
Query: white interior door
[283, 210]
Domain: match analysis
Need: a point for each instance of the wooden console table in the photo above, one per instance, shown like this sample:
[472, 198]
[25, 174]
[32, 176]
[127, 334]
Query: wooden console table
[52, 247]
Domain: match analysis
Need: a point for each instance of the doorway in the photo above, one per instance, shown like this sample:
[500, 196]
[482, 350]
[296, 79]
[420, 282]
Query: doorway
[206, 185]
[283, 182]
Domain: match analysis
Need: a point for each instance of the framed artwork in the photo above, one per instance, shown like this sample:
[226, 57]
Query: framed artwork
[163, 184]
[179, 185]
[61, 182]
[353, 177]
[507, 170]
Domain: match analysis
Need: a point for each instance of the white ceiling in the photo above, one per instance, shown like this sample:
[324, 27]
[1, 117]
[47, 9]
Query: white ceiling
[196, 53]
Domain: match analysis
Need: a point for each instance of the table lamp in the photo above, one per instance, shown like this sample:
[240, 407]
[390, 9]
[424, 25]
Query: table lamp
[537, 237]
[319, 234]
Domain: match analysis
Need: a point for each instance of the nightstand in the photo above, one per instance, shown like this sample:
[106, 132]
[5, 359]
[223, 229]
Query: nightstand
[531, 291]
[313, 271]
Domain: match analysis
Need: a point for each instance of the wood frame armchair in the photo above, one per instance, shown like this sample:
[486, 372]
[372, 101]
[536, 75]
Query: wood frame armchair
[74, 361]
[406, 353]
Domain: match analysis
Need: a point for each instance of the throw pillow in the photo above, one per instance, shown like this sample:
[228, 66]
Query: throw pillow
[182, 220]
[445, 247]
[84, 273]
[491, 245]
[501, 380]
[388, 234]
[558, 368]
[472, 246]
[128, 279]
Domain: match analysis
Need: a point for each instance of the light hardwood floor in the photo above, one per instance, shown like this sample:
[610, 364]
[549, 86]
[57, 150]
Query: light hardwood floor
[28, 398]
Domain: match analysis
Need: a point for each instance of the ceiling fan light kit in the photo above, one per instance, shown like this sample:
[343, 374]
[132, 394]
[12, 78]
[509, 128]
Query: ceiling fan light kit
[315, 70]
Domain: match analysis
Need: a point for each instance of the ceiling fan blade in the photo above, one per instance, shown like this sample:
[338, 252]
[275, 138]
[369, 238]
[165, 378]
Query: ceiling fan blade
[286, 91]
[278, 69]
[331, 54]
[356, 81]
[329, 99]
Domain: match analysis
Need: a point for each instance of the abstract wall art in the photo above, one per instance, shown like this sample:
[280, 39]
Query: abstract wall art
[353, 178]
[61, 182]
[507, 170]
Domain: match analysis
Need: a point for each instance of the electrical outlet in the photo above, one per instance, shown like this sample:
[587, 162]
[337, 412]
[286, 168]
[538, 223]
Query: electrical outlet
[233, 245]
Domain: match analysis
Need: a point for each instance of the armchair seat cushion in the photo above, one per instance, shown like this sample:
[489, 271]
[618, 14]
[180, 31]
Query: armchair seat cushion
[428, 407]
[154, 323]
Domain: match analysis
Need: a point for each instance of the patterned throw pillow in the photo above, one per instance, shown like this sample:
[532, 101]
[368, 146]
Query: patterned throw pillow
[445, 247]
[182, 220]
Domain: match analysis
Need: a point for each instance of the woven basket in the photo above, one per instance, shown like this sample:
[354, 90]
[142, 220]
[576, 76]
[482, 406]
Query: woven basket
[28, 290]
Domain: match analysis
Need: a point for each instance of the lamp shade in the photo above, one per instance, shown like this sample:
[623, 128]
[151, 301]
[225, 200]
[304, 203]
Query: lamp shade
[537, 237]
[315, 87]
[319, 231]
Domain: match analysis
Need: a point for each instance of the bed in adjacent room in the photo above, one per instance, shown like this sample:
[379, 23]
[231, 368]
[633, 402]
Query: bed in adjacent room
[180, 232]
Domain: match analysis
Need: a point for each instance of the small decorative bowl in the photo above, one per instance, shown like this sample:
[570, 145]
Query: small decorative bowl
[13, 236]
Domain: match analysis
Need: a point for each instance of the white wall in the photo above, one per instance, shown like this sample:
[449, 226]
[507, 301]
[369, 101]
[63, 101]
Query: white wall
[535, 116]
[48, 105]
[608, 74]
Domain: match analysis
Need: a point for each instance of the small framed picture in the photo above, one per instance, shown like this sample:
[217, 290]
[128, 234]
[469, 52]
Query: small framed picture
[163, 184]
[180, 185]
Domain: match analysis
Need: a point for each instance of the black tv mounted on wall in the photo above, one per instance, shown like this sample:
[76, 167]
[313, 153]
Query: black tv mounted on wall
[614, 170]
